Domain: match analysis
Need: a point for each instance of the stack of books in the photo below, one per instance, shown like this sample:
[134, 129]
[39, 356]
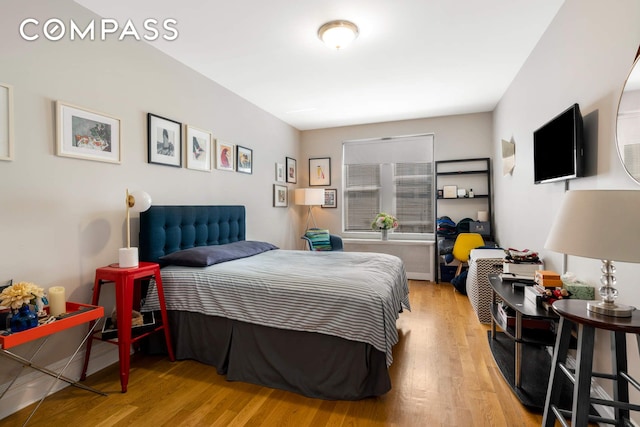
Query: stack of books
[521, 264]
[520, 270]
[535, 294]
[506, 314]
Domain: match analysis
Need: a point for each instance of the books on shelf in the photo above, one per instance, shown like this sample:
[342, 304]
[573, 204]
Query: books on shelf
[110, 330]
[507, 316]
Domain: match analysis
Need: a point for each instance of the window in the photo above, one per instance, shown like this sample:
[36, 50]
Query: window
[393, 175]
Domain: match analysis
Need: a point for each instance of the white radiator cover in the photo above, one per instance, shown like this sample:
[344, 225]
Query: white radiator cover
[416, 255]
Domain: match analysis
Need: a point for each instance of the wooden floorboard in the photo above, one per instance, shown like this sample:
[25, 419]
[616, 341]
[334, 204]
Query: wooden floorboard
[443, 375]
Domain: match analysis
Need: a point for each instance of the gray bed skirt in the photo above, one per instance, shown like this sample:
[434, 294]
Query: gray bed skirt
[314, 365]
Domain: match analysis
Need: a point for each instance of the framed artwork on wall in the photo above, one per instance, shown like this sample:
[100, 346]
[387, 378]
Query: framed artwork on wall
[198, 148]
[280, 196]
[320, 171]
[292, 170]
[86, 134]
[244, 157]
[164, 140]
[6, 122]
[225, 155]
[330, 198]
[279, 172]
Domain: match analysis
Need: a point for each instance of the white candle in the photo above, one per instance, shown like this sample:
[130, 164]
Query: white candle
[57, 302]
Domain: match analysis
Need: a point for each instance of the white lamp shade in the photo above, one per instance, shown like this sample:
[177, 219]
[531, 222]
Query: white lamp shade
[600, 224]
[309, 196]
[141, 201]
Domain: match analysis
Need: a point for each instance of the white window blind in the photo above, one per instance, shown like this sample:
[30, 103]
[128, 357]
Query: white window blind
[393, 175]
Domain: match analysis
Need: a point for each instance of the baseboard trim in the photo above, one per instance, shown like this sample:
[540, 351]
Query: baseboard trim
[29, 386]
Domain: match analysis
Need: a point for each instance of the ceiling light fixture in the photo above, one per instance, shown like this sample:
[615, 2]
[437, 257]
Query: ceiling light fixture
[337, 34]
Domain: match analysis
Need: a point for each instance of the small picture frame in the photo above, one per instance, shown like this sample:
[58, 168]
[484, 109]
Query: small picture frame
[330, 198]
[6, 122]
[86, 134]
[280, 196]
[280, 172]
[320, 171]
[450, 192]
[462, 193]
[198, 149]
[244, 159]
[225, 156]
[291, 170]
[164, 141]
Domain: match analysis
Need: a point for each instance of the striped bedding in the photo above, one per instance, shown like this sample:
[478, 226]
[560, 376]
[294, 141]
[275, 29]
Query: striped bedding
[352, 295]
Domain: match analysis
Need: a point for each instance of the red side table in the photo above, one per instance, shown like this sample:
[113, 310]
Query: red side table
[127, 282]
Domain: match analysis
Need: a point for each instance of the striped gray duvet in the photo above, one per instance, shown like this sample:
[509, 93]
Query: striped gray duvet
[352, 295]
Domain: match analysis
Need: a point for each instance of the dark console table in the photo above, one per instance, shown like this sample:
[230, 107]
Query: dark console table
[528, 376]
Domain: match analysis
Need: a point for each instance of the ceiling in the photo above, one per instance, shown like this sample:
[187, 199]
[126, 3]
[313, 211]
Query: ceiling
[412, 58]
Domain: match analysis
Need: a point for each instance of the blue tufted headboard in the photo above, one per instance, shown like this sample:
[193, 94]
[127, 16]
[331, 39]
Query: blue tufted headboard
[167, 229]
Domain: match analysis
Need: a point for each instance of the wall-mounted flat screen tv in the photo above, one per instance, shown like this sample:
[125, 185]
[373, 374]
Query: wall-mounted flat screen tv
[558, 148]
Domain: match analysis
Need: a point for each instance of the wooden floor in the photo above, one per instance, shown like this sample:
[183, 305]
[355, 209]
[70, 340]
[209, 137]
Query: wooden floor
[443, 375]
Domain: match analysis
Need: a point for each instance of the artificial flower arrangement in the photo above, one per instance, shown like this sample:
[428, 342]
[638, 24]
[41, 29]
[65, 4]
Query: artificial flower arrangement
[384, 221]
[21, 293]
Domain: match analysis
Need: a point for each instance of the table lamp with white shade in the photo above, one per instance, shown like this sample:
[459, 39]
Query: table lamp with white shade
[137, 201]
[600, 224]
[309, 197]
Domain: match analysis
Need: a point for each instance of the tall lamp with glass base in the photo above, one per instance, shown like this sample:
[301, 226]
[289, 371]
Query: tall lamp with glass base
[600, 224]
[137, 201]
[309, 197]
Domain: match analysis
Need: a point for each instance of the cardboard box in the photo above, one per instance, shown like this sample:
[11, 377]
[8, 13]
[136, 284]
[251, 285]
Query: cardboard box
[547, 278]
[480, 227]
[548, 274]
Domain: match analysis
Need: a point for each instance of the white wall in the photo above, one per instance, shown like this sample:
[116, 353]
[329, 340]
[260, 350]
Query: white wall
[583, 57]
[60, 218]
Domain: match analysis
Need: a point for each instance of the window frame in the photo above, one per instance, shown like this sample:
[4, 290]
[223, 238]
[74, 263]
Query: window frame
[374, 235]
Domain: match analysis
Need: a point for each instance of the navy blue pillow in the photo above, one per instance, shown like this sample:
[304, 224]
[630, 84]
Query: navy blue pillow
[202, 256]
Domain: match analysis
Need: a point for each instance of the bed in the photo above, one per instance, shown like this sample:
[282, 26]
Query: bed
[322, 324]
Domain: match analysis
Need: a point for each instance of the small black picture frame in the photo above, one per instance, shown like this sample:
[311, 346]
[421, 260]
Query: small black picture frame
[330, 198]
[244, 159]
[164, 137]
[291, 170]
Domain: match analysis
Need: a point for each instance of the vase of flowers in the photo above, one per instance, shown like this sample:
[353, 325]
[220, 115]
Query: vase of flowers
[18, 297]
[384, 222]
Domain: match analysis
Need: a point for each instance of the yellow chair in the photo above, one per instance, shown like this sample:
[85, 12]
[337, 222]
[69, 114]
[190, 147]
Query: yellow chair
[463, 245]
